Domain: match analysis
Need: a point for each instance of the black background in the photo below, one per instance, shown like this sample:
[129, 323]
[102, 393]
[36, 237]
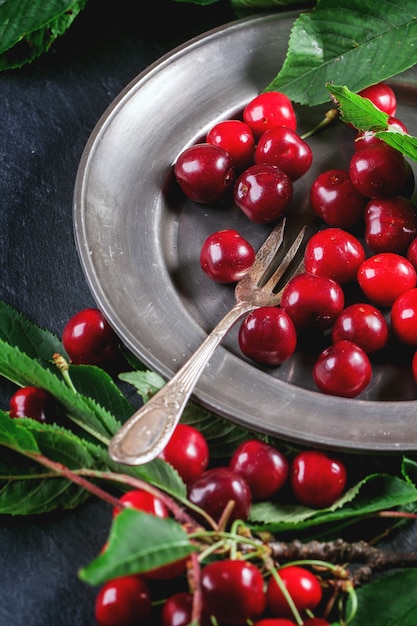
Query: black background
[47, 112]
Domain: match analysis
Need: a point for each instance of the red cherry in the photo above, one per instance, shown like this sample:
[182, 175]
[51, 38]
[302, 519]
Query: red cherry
[226, 256]
[123, 601]
[268, 335]
[263, 466]
[215, 488]
[368, 138]
[312, 301]
[32, 402]
[187, 451]
[269, 110]
[233, 591]
[236, 138]
[390, 224]
[302, 586]
[404, 317]
[382, 96]
[317, 479]
[414, 366]
[263, 192]
[378, 171]
[204, 173]
[411, 253]
[282, 146]
[177, 609]
[342, 369]
[335, 253]
[142, 501]
[335, 200]
[89, 339]
[385, 276]
[364, 325]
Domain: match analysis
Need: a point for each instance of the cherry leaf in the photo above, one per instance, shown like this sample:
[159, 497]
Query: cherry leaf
[128, 553]
[359, 42]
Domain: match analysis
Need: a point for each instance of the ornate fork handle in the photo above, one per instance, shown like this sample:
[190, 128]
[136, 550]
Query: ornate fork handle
[147, 432]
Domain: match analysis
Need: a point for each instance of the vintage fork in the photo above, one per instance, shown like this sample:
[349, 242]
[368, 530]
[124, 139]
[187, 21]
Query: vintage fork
[148, 430]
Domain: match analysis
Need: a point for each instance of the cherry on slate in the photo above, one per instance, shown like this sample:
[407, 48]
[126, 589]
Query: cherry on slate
[32, 402]
[125, 600]
[89, 339]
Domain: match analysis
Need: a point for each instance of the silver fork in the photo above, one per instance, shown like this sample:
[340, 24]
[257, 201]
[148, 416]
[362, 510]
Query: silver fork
[145, 434]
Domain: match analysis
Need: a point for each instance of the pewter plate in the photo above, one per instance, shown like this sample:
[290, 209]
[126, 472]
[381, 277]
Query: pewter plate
[139, 242]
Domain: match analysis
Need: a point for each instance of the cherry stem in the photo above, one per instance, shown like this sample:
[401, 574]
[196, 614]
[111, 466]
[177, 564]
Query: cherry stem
[329, 117]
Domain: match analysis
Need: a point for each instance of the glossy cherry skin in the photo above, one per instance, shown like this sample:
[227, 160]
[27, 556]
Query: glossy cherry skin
[177, 610]
[317, 478]
[236, 138]
[205, 173]
[335, 253]
[404, 317]
[385, 276]
[233, 591]
[32, 402]
[378, 171]
[187, 451]
[269, 110]
[390, 224]
[335, 199]
[382, 96]
[411, 253]
[89, 339]
[263, 192]
[283, 147]
[267, 335]
[368, 138]
[343, 369]
[226, 256]
[264, 467]
[142, 501]
[312, 301]
[363, 324]
[302, 586]
[123, 601]
[215, 488]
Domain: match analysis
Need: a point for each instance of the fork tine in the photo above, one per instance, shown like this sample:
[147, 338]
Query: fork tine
[286, 261]
[265, 255]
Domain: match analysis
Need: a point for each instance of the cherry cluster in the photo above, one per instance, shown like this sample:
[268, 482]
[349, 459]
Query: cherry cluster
[368, 237]
[233, 590]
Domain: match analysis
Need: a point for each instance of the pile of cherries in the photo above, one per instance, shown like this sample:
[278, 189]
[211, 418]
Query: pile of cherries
[368, 238]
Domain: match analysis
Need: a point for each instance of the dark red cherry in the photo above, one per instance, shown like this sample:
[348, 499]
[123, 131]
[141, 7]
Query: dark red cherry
[343, 369]
[404, 317]
[264, 467]
[125, 600]
[263, 192]
[301, 584]
[268, 335]
[187, 451]
[283, 147]
[236, 138]
[205, 173]
[215, 488]
[390, 224]
[368, 138]
[317, 478]
[382, 96]
[142, 501]
[32, 402]
[378, 171]
[89, 339]
[269, 110]
[385, 276]
[226, 256]
[335, 253]
[363, 324]
[335, 199]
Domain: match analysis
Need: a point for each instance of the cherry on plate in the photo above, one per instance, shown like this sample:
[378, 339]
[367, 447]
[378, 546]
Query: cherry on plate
[312, 302]
[264, 467]
[336, 200]
[263, 192]
[317, 478]
[382, 96]
[335, 253]
[390, 224]
[226, 256]
[205, 173]
[269, 110]
[236, 138]
[367, 137]
[379, 170]
[283, 147]
[363, 324]
[385, 276]
[404, 317]
[267, 335]
[342, 369]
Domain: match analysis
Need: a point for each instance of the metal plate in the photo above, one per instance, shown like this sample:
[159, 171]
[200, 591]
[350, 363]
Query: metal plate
[139, 242]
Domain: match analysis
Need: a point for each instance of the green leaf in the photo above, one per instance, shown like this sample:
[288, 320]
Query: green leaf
[138, 542]
[356, 42]
[15, 436]
[28, 27]
[389, 600]
[375, 493]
